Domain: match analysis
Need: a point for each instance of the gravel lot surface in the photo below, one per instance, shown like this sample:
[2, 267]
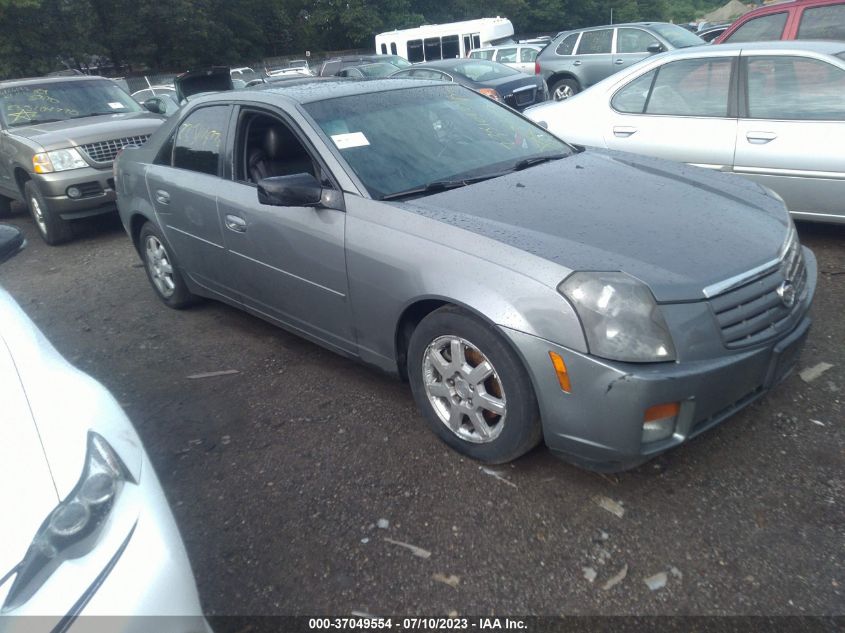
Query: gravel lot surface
[288, 476]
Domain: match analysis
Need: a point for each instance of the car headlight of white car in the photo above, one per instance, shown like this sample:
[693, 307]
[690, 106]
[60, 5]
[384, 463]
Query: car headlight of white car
[72, 528]
[620, 317]
[58, 160]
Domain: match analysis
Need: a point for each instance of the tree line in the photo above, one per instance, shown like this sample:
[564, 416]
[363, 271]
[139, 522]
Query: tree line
[40, 36]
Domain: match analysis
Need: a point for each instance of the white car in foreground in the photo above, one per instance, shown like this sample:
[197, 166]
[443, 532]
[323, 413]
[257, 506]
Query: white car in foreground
[86, 529]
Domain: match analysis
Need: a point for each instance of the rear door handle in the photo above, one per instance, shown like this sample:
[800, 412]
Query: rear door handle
[236, 224]
[760, 138]
[619, 62]
[577, 62]
[623, 131]
[162, 197]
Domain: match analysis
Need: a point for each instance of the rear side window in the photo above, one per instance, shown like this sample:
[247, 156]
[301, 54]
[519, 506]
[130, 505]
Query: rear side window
[823, 23]
[767, 27]
[199, 140]
[595, 42]
[632, 98]
[567, 45]
[795, 88]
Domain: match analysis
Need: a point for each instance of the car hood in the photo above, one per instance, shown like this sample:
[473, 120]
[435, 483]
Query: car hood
[677, 228]
[63, 134]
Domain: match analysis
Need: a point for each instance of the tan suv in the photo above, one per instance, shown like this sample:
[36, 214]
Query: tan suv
[58, 138]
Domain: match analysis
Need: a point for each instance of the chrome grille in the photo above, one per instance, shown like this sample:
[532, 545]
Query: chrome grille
[105, 151]
[754, 312]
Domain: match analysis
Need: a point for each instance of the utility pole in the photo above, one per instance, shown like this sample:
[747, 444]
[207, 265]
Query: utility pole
[611, 15]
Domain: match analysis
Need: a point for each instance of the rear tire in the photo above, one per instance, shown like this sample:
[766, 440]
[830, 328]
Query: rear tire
[564, 88]
[162, 270]
[51, 227]
[472, 388]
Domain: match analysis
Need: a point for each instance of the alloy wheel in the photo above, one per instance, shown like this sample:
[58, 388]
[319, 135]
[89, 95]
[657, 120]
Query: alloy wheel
[159, 266]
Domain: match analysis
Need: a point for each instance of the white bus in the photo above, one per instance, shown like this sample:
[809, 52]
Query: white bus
[444, 41]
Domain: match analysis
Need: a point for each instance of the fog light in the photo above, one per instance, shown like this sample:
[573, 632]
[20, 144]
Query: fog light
[74, 192]
[659, 421]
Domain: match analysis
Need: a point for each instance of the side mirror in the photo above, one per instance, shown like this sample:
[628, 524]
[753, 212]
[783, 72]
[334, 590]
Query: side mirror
[655, 48]
[154, 105]
[11, 241]
[298, 190]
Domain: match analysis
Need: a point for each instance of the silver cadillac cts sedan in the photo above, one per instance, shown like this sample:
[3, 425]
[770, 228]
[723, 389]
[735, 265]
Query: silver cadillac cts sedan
[611, 305]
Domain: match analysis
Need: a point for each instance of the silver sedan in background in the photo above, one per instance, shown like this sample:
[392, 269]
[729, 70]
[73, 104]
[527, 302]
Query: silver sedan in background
[773, 112]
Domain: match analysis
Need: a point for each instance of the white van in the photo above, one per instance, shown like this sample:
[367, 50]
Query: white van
[444, 41]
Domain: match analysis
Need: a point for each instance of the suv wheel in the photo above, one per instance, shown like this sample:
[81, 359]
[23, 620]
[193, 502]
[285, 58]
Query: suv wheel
[51, 227]
[472, 388]
[564, 88]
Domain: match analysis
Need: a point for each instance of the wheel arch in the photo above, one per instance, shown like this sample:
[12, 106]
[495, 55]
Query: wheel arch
[553, 79]
[136, 222]
[21, 178]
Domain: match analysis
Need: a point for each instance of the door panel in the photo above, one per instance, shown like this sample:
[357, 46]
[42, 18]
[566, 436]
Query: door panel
[631, 46]
[289, 263]
[793, 130]
[593, 60]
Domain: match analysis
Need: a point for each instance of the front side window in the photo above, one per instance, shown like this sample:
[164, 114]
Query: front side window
[692, 87]
[567, 45]
[596, 42]
[634, 41]
[384, 49]
[62, 100]
[823, 23]
[199, 140]
[393, 48]
[398, 140]
[767, 27]
[794, 88]
[528, 55]
[482, 54]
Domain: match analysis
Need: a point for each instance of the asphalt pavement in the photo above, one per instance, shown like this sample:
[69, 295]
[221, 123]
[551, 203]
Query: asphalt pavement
[298, 478]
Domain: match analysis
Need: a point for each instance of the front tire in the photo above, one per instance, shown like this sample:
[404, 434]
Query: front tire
[472, 388]
[162, 270]
[564, 88]
[51, 227]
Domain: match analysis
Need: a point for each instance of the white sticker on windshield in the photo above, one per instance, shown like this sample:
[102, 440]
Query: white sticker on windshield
[353, 139]
[114, 105]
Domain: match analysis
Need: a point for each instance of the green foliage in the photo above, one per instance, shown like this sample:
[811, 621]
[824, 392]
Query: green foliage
[44, 35]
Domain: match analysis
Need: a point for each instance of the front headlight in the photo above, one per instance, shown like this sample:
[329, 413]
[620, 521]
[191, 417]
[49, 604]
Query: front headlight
[620, 317]
[73, 527]
[58, 160]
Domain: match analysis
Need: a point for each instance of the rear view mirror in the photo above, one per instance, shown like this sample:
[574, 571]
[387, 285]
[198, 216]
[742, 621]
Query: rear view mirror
[655, 48]
[11, 241]
[298, 190]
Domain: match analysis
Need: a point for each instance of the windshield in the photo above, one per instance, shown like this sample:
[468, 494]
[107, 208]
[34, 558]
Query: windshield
[677, 36]
[480, 70]
[62, 100]
[399, 140]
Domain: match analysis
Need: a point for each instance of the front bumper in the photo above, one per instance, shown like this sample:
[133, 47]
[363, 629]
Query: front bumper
[599, 424]
[97, 186]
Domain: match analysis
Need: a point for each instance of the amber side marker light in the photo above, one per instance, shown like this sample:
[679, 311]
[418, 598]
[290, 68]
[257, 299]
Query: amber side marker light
[561, 371]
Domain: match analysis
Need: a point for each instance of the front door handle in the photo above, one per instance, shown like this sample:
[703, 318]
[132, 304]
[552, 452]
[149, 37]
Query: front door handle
[760, 138]
[162, 197]
[619, 62]
[623, 131]
[236, 223]
[577, 62]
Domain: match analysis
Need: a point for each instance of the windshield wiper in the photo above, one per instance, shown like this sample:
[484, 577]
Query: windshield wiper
[83, 116]
[439, 185]
[536, 160]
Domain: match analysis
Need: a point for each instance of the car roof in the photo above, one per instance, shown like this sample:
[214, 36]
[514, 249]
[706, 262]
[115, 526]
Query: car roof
[34, 81]
[328, 88]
